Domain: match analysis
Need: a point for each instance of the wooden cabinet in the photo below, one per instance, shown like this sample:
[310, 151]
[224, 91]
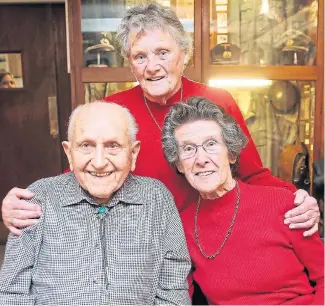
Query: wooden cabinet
[269, 54]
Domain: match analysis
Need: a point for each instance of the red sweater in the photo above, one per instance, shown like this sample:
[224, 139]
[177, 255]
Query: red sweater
[151, 161]
[263, 261]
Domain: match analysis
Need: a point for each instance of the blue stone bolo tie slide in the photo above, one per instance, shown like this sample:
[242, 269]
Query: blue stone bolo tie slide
[101, 210]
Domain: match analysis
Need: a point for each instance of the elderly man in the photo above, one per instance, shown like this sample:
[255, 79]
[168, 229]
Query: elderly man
[105, 236]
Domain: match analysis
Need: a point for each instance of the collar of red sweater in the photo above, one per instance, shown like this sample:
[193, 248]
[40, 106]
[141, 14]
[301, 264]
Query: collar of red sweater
[228, 199]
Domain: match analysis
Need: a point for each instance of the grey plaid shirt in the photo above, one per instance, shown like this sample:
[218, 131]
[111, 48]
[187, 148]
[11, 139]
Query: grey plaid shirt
[135, 253]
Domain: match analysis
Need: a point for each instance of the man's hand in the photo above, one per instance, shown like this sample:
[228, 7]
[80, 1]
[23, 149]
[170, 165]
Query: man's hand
[305, 215]
[17, 213]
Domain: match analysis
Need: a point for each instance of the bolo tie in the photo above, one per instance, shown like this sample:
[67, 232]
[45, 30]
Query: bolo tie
[101, 211]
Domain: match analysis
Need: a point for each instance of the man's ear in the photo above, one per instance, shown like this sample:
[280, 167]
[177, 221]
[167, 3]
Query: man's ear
[135, 152]
[67, 149]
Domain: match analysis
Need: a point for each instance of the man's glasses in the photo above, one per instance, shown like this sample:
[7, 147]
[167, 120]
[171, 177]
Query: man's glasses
[189, 150]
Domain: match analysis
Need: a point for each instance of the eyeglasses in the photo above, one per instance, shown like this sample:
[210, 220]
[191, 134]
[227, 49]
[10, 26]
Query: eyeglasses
[210, 146]
[87, 148]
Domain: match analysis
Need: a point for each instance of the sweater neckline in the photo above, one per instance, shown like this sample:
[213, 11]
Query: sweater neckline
[228, 199]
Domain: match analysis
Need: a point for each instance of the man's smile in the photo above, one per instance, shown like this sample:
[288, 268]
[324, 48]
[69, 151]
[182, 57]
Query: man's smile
[97, 174]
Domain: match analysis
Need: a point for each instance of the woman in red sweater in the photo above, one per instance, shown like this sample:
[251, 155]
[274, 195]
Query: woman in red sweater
[241, 251]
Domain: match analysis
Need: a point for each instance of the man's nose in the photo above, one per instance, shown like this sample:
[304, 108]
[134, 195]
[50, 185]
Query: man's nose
[99, 160]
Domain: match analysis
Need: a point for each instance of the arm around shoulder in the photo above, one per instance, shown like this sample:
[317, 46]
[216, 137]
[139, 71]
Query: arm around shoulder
[17, 212]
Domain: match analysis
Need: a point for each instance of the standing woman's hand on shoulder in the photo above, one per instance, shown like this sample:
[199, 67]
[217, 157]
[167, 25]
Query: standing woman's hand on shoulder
[17, 213]
[305, 215]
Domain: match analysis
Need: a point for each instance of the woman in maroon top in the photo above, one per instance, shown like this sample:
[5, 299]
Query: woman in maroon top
[242, 253]
[158, 49]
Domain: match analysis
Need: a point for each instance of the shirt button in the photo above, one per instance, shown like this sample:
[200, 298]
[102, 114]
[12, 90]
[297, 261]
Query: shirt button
[95, 281]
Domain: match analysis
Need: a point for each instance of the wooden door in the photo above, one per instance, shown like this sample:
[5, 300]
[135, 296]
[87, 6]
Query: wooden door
[28, 151]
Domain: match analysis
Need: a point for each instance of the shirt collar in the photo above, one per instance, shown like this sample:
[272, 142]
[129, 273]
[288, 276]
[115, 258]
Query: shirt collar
[73, 193]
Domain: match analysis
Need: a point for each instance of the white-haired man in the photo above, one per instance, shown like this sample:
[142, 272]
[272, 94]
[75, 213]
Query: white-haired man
[105, 236]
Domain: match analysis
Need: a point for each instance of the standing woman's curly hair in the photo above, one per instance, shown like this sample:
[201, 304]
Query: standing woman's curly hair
[152, 16]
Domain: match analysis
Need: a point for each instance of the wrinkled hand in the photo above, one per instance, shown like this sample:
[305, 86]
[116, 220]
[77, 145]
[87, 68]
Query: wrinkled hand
[17, 213]
[305, 215]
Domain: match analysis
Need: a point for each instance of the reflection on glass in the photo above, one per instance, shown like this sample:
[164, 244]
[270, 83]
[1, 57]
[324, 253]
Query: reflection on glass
[277, 113]
[98, 91]
[100, 19]
[263, 32]
[10, 71]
